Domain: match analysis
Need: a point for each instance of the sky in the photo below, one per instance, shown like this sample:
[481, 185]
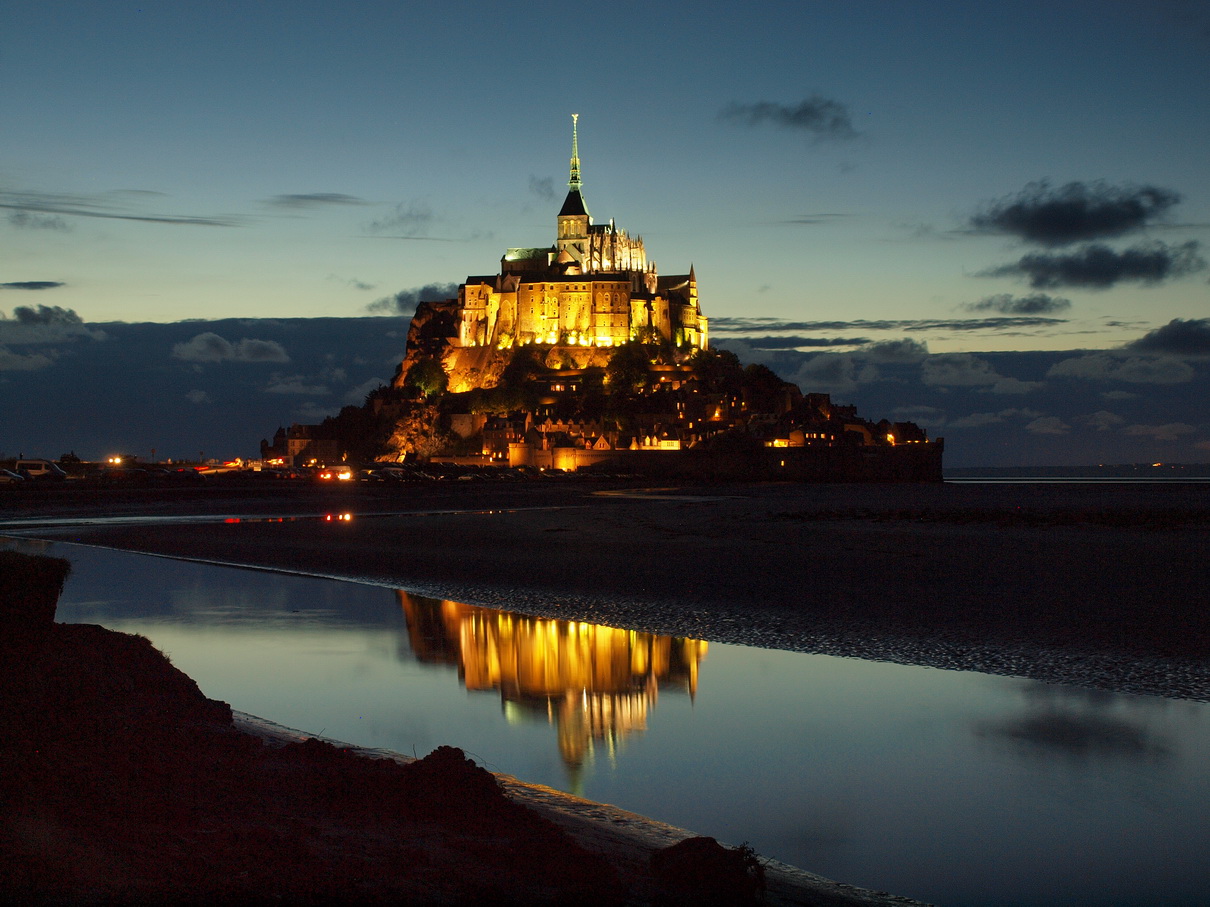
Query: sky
[994, 216]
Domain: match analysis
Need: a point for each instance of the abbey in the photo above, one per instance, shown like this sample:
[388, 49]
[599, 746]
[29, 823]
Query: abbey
[593, 289]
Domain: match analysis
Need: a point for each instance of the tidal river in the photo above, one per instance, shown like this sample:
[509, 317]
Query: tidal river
[951, 787]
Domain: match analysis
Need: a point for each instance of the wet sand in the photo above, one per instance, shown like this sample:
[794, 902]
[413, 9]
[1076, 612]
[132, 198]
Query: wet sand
[1098, 585]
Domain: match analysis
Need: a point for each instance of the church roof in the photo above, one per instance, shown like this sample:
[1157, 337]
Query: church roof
[573, 205]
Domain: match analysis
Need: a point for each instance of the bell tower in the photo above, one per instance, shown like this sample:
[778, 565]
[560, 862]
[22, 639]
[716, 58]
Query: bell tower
[573, 217]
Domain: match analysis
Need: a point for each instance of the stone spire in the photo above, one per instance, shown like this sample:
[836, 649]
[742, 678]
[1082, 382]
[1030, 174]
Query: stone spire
[574, 182]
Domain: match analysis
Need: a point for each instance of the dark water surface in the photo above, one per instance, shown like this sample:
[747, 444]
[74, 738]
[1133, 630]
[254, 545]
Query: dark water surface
[956, 788]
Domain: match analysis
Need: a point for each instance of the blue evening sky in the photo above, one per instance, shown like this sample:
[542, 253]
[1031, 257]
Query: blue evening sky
[852, 174]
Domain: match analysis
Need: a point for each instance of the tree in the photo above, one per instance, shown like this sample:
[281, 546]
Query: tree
[428, 375]
[718, 371]
[626, 371]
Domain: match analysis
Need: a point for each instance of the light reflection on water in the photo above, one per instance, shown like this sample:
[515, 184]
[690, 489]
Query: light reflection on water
[953, 787]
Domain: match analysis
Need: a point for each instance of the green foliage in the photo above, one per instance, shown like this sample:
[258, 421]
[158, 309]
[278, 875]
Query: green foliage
[627, 369]
[428, 376]
[718, 371]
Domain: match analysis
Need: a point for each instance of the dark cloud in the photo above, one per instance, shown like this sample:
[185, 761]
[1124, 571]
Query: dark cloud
[1079, 735]
[1007, 304]
[822, 117]
[813, 220]
[1075, 212]
[313, 200]
[978, 420]
[1098, 267]
[1169, 431]
[26, 220]
[101, 207]
[23, 362]
[834, 373]
[543, 187]
[1110, 366]
[45, 314]
[1178, 338]
[295, 384]
[352, 282]
[905, 351]
[741, 326]
[32, 285]
[45, 324]
[1101, 420]
[791, 342]
[412, 219]
[924, 416]
[965, 370]
[405, 301]
[210, 347]
[1048, 425]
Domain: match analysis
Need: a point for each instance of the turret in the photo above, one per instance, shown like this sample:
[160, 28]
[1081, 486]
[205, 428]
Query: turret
[574, 219]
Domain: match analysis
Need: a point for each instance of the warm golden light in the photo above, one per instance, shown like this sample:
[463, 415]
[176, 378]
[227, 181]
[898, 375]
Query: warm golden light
[595, 683]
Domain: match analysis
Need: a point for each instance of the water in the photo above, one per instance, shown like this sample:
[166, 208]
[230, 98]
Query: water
[957, 788]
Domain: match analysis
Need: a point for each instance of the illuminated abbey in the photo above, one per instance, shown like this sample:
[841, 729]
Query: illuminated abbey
[592, 290]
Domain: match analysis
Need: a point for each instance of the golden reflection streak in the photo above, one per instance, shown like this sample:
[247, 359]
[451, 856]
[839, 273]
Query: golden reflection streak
[594, 683]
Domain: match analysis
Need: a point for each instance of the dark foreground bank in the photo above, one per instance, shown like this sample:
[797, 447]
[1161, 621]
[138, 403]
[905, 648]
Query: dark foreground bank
[122, 783]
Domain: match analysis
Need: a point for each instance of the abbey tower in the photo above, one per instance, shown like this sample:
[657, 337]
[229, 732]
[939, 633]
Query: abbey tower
[592, 290]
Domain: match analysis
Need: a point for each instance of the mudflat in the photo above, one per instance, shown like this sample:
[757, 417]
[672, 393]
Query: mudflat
[1102, 585]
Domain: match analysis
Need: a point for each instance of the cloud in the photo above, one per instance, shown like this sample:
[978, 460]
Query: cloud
[813, 220]
[198, 397]
[1172, 431]
[102, 206]
[543, 187]
[1075, 212]
[905, 351]
[295, 384]
[26, 220]
[1108, 366]
[312, 412]
[19, 362]
[45, 324]
[1007, 304]
[792, 342]
[965, 370]
[405, 301]
[1120, 395]
[32, 285]
[210, 347]
[313, 200]
[1098, 267]
[741, 326]
[827, 373]
[1048, 425]
[45, 314]
[357, 395]
[924, 416]
[822, 117]
[352, 282]
[978, 420]
[1101, 420]
[1177, 338]
[412, 219]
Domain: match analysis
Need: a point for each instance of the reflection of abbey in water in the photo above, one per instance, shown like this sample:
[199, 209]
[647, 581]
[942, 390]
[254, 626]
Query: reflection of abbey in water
[595, 683]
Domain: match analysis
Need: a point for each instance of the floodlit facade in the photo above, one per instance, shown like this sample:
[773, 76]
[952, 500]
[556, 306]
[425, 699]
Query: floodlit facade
[593, 289]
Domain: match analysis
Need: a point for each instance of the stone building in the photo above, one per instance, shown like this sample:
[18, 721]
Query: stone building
[593, 289]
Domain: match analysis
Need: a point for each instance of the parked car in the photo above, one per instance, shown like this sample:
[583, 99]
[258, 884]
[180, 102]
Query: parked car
[8, 477]
[41, 470]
